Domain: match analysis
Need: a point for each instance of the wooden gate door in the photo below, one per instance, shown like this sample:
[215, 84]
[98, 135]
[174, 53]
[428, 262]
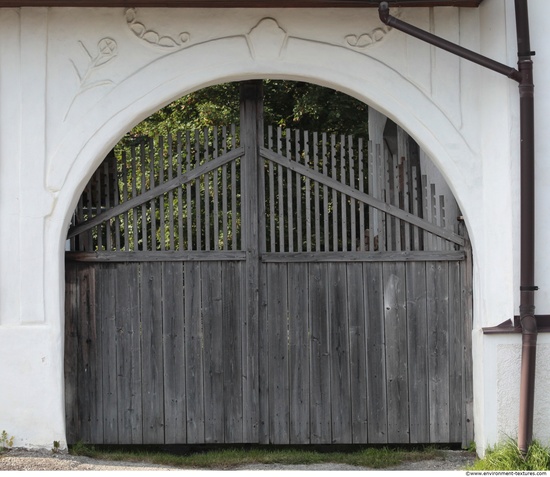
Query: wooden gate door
[241, 285]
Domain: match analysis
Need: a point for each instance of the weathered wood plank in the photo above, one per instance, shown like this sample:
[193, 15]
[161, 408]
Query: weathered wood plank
[158, 256]
[340, 354]
[253, 212]
[72, 311]
[456, 353]
[376, 362]
[128, 360]
[396, 352]
[358, 356]
[211, 300]
[417, 327]
[277, 317]
[467, 316]
[298, 353]
[173, 313]
[263, 359]
[232, 347]
[194, 354]
[320, 402]
[362, 256]
[152, 375]
[438, 344]
[106, 276]
[317, 210]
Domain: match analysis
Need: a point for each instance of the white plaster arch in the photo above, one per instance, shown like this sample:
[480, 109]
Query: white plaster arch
[88, 139]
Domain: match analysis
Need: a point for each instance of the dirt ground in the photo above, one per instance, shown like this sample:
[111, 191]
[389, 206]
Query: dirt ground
[38, 460]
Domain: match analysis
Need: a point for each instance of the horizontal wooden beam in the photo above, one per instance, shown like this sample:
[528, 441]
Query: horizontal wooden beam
[237, 3]
[317, 257]
[157, 256]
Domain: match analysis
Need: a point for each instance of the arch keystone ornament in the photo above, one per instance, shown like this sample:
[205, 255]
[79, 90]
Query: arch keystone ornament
[267, 39]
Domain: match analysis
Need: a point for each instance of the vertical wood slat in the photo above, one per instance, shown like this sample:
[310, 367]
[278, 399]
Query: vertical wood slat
[298, 339]
[175, 391]
[232, 312]
[339, 352]
[417, 325]
[416, 200]
[290, 208]
[151, 334]
[361, 173]
[106, 288]
[281, 201]
[467, 317]
[142, 157]
[353, 225]
[194, 354]
[135, 232]
[343, 201]
[206, 180]
[396, 352]
[99, 228]
[357, 353]
[152, 203]
[456, 348]
[372, 183]
[198, 180]
[317, 211]
[129, 402]
[180, 191]
[170, 171]
[438, 360]
[326, 223]
[279, 410]
[271, 188]
[188, 193]
[213, 338]
[107, 196]
[298, 195]
[215, 187]
[235, 245]
[396, 194]
[320, 404]
[225, 210]
[376, 363]
[334, 194]
[307, 193]
[381, 185]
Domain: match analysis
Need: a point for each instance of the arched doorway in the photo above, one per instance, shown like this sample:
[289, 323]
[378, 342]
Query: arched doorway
[233, 294]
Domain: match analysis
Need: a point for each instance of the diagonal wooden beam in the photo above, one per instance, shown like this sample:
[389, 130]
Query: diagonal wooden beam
[361, 196]
[156, 191]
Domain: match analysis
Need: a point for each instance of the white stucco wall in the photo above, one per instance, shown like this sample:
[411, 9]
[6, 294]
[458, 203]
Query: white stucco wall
[73, 81]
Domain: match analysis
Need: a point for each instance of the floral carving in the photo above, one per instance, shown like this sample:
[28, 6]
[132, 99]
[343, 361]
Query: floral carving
[151, 36]
[371, 38]
[106, 51]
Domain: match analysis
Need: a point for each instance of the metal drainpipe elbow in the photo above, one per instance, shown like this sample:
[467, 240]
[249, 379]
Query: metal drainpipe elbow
[384, 12]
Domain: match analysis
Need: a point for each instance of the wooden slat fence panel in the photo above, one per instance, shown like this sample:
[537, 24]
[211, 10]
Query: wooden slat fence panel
[334, 306]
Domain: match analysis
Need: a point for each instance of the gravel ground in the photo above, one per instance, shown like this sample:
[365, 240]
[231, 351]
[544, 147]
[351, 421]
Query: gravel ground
[22, 459]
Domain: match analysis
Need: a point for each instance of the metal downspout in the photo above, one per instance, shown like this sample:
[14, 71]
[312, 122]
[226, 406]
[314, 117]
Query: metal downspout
[524, 76]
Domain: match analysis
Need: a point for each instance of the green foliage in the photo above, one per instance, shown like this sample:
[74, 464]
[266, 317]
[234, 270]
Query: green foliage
[507, 456]
[6, 442]
[375, 458]
[56, 447]
[288, 104]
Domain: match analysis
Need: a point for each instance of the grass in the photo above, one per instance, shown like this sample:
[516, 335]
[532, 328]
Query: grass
[375, 458]
[507, 456]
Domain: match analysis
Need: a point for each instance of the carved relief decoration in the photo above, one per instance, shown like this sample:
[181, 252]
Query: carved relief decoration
[152, 37]
[364, 40]
[106, 51]
[267, 39]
